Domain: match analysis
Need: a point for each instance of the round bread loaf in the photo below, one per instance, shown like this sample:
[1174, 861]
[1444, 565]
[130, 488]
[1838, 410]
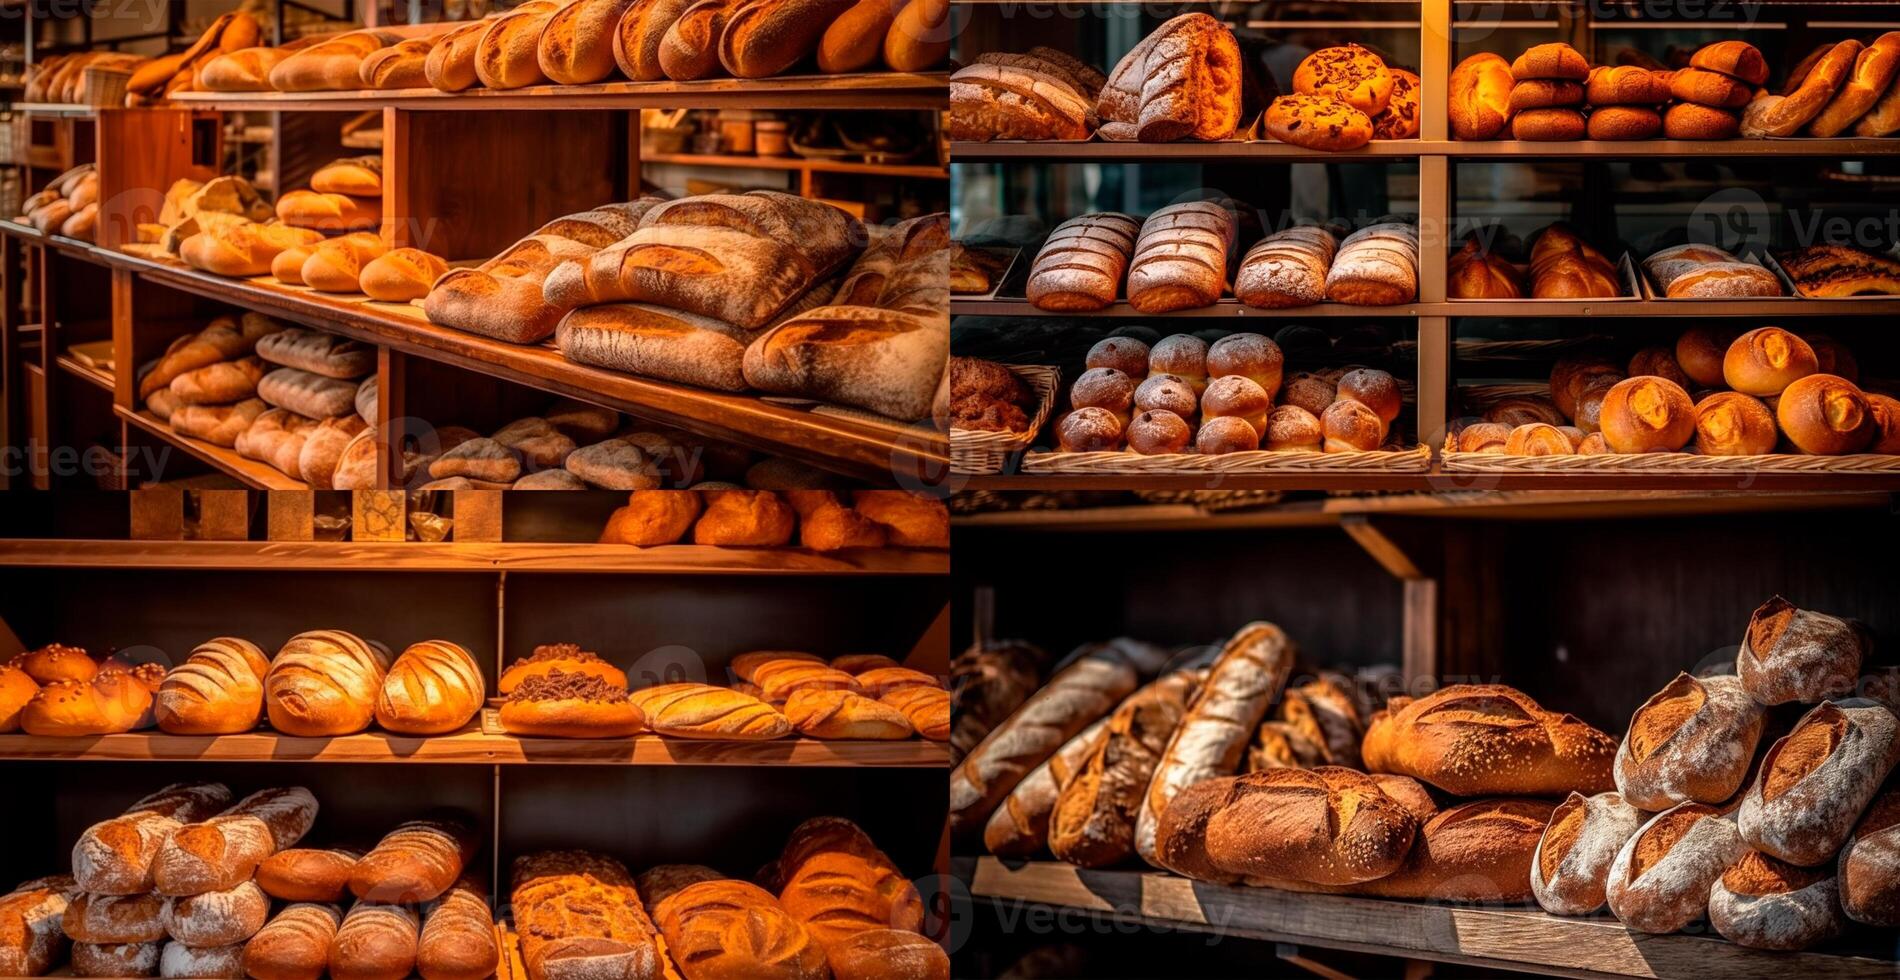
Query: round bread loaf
[1729, 423]
[1571, 867]
[1870, 865]
[1766, 360]
[200, 962]
[1624, 122]
[1227, 434]
[1290, 427]
[1790, 654]
[433, 688]
[221, 918]
[1825, 415]
[1763, 903]
[1479, 98]
[91, 918]
[324, 682]
[1555, 60]
[1346, 73]
[1690, 121]
[1816, 781]
[1324, 826]
[1155, 433]
[1548, 125]
[1318, 123]
[1692, 741]
[1625, 85]
[218, 690]
[1708, 88]
[1661, 878]
[1646, 415]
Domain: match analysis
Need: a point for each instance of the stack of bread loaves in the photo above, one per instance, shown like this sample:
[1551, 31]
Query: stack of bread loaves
[1346, 96]
[1562, 266]
[62, 690]
[183, 71]
[345, 199]
[820, 520]
[68, 205]
[205, 384]
[1779, 845]
[310, 399]
[1757, 392]
[1184, 395]
[1042, 94]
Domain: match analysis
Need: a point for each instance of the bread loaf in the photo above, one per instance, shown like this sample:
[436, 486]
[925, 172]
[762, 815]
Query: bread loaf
[219, 425]
[115, 857]
[767, 37]
[1082, 692]
[218, 690]
[217, 854]
[1180, 257]
[1325, 826]
[704, 711]
[433, 688]
[450, 66]
[877, 954]
[638, 35]
[243, 70]
[508, 54]
[1081, 264]
[416, 862]
[1763, 903]
[577, 45]
[458, 940]
[218, 384]
[1815, 781]
[374, 942]
[889, 361]
[308, 874]
[302, 210]
[318, 353]
[400, 65]
[1872, 76]
[216, 918]
[689, 48]
[1870, 865]
[1480, 93]
[276, 437]
[401, 274]
[657, 342]
[293, 945]
[31, 941]
[1479, 851]
[224, 339]
[1793, 654]
[1571, 866]
[179, 960]
[839, 884]
[843, 714]
[324, 682]
[310, 395]
[331, 64]
[115, 959]
[1286, 268]
[1375, 266]
[1212, 737]
[93, 918]
[717, 927]
[919, 38]
[1020, 825]
[1473, 739]
[1692, 741]
[1093, 821]
[579, 917]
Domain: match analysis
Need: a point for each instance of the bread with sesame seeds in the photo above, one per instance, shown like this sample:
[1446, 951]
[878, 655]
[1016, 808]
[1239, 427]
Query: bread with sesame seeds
[1488, 739]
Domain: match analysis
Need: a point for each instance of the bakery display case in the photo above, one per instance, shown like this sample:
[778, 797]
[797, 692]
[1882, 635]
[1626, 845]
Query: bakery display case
[414, 754]
[1251, 754]
[1564, 239]
[448, 178]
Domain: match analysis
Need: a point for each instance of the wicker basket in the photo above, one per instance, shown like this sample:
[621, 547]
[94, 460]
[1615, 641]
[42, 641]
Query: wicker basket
[977, 452]
[104, 86]
[1259, 461]
[1687, 464]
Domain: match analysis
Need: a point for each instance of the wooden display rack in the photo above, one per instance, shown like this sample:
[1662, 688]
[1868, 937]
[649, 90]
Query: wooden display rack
[1436, 155]
[465, 176]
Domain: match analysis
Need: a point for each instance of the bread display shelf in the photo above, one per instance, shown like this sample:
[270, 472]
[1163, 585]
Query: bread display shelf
[815, 165]
[1105, 151]
[1259, 461]
[470, 746]
[1625, 306]
[870, 90]
[94, 376]
[69, 110]
[517, 557]
[1229, 308]
[1612, 149]
[1510, 938]
[1668, 463]
[830, 440]
[250, 472]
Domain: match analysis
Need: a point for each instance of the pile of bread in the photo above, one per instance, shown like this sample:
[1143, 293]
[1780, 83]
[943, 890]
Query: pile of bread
[62, 77]
[1562, 266]
[758, 291]
[1720, 93]
[68, 205]
[1757, 392]
[1180, 258]
[184, 883]
[1824, 271]
[300, 400]
[1186, 80]
[832, 905]
[562, 691]
[321, 683]
[157, 78]
[571, 446]
[1186, 395]
[820, 520]
[577, 42]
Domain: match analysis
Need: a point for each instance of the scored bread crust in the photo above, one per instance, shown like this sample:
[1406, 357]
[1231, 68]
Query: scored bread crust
[1570, 869]
[1816, 781]
[1661, 878]
[1693, 740]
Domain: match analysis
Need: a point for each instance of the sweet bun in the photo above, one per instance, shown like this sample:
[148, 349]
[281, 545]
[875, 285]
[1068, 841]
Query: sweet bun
[1124, 354]
[1825, 415]
[1157, 433]
[1351, 426]
[1088, 430]
[1104, 388]
[1182, 355]
[1646, 415]
[1247, 355]
[1227, 434]
[1167, 393]
[1375, 389]
[1293, 427]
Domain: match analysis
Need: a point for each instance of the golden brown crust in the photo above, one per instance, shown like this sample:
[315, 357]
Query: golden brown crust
[1824, 415]
[1477, 739]
[1318, 123]
[1729, 423]
[1646, 415]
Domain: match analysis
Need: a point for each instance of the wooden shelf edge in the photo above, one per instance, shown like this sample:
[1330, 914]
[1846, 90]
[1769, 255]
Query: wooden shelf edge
[1466, 309]
[93, 376]
[1515, 938]
[253, 474]
[828, 441]
[472, 747]
[1441, 482]
[867, 90]
[524, 556]
[738, 161]
[1401, 151]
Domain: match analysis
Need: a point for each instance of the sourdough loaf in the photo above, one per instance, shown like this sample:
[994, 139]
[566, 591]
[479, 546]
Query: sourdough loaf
[1693, 740]
[1816, 780]
[1571, 866]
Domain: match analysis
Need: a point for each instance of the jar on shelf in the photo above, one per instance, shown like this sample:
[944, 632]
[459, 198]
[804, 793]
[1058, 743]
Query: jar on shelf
[773, 138]
[736, 130]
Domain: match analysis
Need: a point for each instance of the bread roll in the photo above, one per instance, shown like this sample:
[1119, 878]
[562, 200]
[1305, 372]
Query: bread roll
[1317, 123]
[1646, 415]
[1479, 739]
[416, 862]
[1766, 360]
[1663, 874]
[919, 38]
[293, 945]
[1817, 779]
[1825, 415]
[401, 274]
[1692, 741]
[1248, 674]
[323, 683]
[433, 688]
[1729, 423]
[218, 690]
[1571, 867]
[1793, 654]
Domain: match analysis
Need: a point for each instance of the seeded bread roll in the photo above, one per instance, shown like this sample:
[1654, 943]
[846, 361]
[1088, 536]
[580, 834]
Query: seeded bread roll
[1763, 903]
[1571, 867]
[1692, 741]
[1662, 876]
[1815, 782]
[1474, 739]
[1793, 654]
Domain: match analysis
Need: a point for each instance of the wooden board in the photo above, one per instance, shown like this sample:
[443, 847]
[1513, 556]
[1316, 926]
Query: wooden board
[471, 746]
[520, 557]
[253, 474]
[1511, 938]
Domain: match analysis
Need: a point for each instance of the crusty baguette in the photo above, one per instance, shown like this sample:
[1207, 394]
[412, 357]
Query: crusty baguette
[1093, 824]
[1082, 692]
[1249, 673]
[1020, 826]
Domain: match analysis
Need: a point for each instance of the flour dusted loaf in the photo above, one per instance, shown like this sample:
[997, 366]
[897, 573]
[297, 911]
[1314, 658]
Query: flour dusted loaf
[318, 352]
[1287, 268]
[1764, 903]
[1180, 257]
[216, 918]
[657, 342]
[308, 874]
[312, 396]
[1375, 266]
[1183, 81]
[1082, 263]
[1570, 869]
[1692, 741]
[1794, 654]
[115, 857]
[219, 853]
[579, 916]
[1662, 876]
[31, 941]
[1093, 821]
[1815, 781]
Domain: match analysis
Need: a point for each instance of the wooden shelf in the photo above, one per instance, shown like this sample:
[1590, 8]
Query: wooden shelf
[1438, 481]
[470, 746]
[64, 110]
[1497, 937]
[833, 442]
[1389, 151]
[1484, 309]
[813, 165]
[1225, 309]
[94, 376]
[259, 476]
[1472, 505]
[516, 557]
[870, 90]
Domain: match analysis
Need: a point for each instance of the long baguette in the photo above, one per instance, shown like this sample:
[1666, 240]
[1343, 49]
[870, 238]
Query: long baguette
[1081, 693]
[1020, 826]
[1245, 679]
[1093, 823]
